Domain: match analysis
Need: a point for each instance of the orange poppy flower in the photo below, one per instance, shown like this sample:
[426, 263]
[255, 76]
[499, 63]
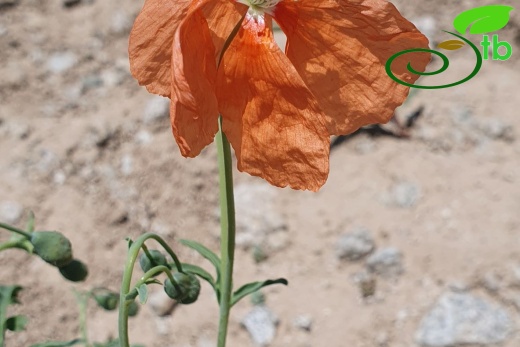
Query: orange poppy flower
[278, 110]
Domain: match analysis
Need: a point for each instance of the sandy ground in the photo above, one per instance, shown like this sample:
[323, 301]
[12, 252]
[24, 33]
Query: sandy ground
[91, 153]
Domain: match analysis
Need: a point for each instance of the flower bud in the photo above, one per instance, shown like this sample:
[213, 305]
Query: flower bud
[106, 299]
[186, 288]
[133, 309]
[52, 247]
[157, 259]
[74, 271]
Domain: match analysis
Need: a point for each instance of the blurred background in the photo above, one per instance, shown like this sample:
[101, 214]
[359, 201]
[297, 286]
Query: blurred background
[413, 241]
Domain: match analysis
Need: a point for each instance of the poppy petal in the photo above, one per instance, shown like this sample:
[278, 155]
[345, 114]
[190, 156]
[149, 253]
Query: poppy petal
[270, 117]
[222, 16]
[150, 44]
[194, 110]
[340, 48]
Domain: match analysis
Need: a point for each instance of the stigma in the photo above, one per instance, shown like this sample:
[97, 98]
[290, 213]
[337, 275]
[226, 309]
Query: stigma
[259, 7]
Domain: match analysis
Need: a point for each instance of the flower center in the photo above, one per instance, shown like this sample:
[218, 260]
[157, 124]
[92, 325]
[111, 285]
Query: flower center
[259, 7]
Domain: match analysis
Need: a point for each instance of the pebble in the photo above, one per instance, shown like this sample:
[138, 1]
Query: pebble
[460, 319]
[161, 304]
[355, 245]
[10, 212]
[496, 129]
[303, 322]
[386, 262]
[121, 23]
[61, 62]
[156, 108]
[261, 324]
[405, 194]
[257, 217]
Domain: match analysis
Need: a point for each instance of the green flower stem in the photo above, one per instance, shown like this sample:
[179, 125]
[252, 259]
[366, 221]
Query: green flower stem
[10, 244]
[227, 233]
[82, 299]
[15, 230]
[152, 272]
[133, 252]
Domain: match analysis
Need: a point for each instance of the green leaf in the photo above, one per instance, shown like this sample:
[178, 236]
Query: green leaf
[451, 45]
[483, 19]
[16, 323]
[9, 295]
[59, 344]
[143, 293]
[130, 242]
[206, 253]
[249, 288]
[153, 281]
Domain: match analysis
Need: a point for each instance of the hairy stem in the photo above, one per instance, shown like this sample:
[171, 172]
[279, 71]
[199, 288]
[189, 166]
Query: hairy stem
[227, 233]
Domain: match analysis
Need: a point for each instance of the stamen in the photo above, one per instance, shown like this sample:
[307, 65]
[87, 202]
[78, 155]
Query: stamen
[259, 7]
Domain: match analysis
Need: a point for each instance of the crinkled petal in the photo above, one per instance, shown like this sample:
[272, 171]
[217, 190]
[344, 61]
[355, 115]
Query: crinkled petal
[340, 48]
[194, 110]
[270, 117]
[222, 16]
[151, 39]
[150, 46]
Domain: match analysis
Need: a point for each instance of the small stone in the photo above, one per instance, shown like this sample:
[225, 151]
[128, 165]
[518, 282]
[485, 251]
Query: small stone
[156, 108]
[127, 165]
[161, 303]
[61, 62]
[261, 324]
[10, 212]
[121, 23]
[260, 222]
[303, 322]
[496, 129]
[491, 281]
[405, 194]
[386, 262]
[460, 319]
[91, 82]
[355, 245]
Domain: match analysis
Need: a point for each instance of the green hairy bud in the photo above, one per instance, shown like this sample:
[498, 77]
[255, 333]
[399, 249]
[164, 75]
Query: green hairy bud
[157, 259]
[186, 288]
[52, 247]
[75, 271]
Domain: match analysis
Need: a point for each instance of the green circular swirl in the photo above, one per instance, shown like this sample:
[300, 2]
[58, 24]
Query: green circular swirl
[445, 64]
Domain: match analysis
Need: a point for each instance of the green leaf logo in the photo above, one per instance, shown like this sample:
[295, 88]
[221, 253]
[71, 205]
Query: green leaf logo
[482, 20]
[451, 45]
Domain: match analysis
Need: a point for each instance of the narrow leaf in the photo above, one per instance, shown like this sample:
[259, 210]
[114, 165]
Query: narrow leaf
[153, 281]
[483, 19]
[197, 270]
[205, 252]
[9, 295]
[143, 293]
[451, 45]
[59, 344]
[16, 323]
[253, 287]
